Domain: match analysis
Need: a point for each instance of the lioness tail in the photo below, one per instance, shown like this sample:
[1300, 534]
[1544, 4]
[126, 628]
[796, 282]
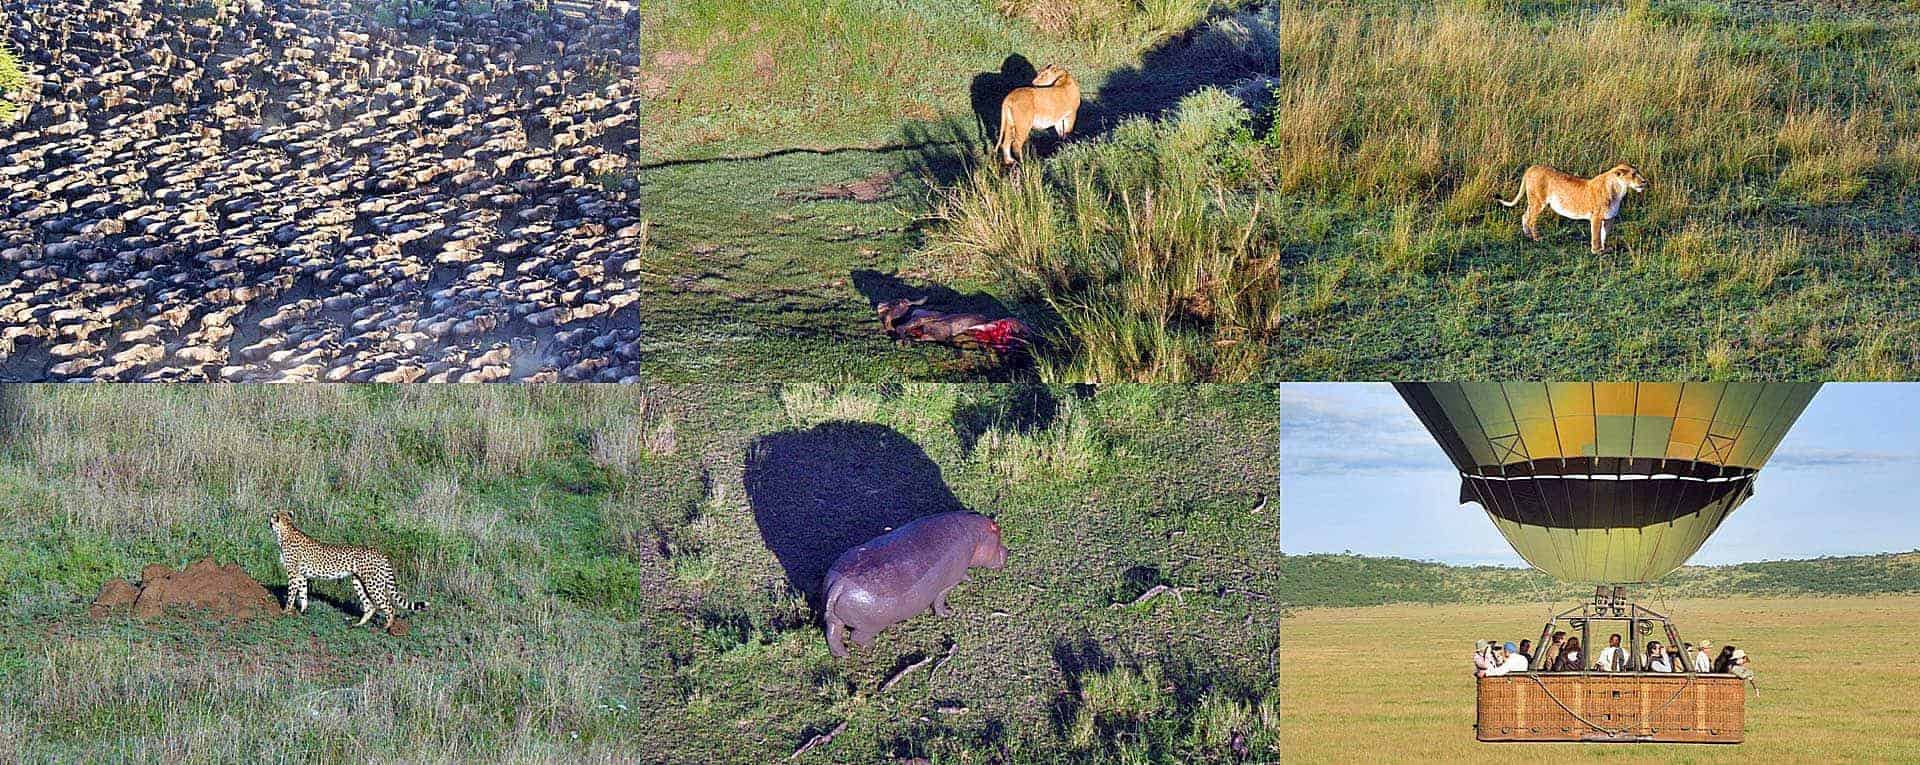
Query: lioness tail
[1516, 197]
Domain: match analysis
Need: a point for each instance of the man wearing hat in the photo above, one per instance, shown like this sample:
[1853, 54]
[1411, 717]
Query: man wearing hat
[1740, 670]
[1702, 659]
[1507, 660]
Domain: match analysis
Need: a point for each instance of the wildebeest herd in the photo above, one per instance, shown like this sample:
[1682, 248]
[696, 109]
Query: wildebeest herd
[337, 190]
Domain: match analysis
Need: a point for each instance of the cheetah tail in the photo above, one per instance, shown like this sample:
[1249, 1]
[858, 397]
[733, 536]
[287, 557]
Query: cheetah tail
[401, 602]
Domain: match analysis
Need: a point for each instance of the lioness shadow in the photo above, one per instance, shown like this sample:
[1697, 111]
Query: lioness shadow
[819, 492]
[1225, 49]
[990, 88]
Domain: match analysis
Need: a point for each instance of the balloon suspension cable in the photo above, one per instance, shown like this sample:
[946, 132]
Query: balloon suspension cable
[1540, 591]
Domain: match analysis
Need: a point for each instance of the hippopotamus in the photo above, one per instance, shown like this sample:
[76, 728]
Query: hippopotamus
[906, 320]
[905, 571]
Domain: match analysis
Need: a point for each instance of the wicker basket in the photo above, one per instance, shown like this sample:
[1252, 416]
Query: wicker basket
[1706, 709]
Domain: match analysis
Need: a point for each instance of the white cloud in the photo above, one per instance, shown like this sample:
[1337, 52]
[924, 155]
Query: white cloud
[1352, 429]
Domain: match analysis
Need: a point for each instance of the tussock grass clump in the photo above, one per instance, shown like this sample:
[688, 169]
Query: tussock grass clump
[1146, 244]
[1139, 714]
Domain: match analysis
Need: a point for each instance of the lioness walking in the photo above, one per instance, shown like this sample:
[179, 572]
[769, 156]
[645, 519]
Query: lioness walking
[1052, 101]
[1595, 200]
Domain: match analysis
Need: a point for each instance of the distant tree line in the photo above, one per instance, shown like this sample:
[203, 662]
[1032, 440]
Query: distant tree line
[1356, 580]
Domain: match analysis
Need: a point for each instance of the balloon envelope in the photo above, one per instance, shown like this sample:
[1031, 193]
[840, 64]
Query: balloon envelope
[1607, 482]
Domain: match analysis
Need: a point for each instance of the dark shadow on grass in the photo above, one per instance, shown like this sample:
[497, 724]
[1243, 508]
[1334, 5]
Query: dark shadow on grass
[1193, 60]
[989, 89]
[1022, 408]
[817, 493]
[346, 605]
[889, 148]
[878, 287]
[1074, 660]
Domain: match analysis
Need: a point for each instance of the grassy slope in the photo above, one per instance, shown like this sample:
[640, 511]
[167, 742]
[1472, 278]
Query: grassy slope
[1776, 238]
[752, 280]
[1353, 580]
[603, 590]
[1829, 690]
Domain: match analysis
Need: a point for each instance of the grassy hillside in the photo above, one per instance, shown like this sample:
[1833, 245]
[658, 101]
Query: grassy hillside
[1420, 707]
[1776, 237]
[1355, 580]
[628, 574]
[800, 154]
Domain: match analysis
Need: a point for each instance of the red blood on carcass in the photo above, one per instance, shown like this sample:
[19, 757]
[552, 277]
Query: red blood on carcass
[1001, 335]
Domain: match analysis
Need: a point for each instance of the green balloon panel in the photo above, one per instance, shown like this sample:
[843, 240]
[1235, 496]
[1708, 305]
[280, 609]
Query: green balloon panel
[1607, 482]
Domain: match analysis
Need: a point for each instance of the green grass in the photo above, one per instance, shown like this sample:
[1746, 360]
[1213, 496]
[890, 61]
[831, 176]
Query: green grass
[1147, 244]
[1340, 227]
[604, 587]
[12, 82]
[758, 111]
[1773, 240]
[1310, 581]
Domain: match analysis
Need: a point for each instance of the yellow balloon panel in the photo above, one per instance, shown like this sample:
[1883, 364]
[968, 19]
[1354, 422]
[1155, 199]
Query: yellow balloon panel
[1607, 482]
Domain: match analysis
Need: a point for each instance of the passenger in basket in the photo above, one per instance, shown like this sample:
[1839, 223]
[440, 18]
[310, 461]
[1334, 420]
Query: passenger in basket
[1482, 657]
[1613, 658]
[1510, 661]
[1724, 661]
[1738, 668]
[1569, 660]
[1657, 660]
[1702, 658]
[1526, 651]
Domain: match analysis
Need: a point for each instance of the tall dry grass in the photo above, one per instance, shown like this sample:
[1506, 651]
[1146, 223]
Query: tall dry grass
[1450, 104]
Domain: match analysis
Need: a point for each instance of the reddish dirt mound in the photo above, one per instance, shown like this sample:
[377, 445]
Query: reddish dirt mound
[203, 589]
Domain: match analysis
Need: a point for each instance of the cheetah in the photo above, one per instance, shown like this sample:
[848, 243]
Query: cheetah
[370, 570]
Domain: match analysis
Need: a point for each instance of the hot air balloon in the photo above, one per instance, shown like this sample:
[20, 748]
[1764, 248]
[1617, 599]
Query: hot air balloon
[1609, 484]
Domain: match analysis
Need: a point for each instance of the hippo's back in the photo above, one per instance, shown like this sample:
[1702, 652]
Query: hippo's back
[903, 569]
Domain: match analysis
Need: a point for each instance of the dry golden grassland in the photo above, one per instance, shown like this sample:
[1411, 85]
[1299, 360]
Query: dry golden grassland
[1837, 678]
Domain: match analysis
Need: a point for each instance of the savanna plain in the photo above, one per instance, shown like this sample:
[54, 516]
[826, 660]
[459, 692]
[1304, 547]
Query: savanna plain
[628, 574]
[1288, 190]
[1393, 682]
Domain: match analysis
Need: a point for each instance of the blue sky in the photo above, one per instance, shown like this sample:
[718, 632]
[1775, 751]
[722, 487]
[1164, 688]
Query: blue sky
[1358, 473]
